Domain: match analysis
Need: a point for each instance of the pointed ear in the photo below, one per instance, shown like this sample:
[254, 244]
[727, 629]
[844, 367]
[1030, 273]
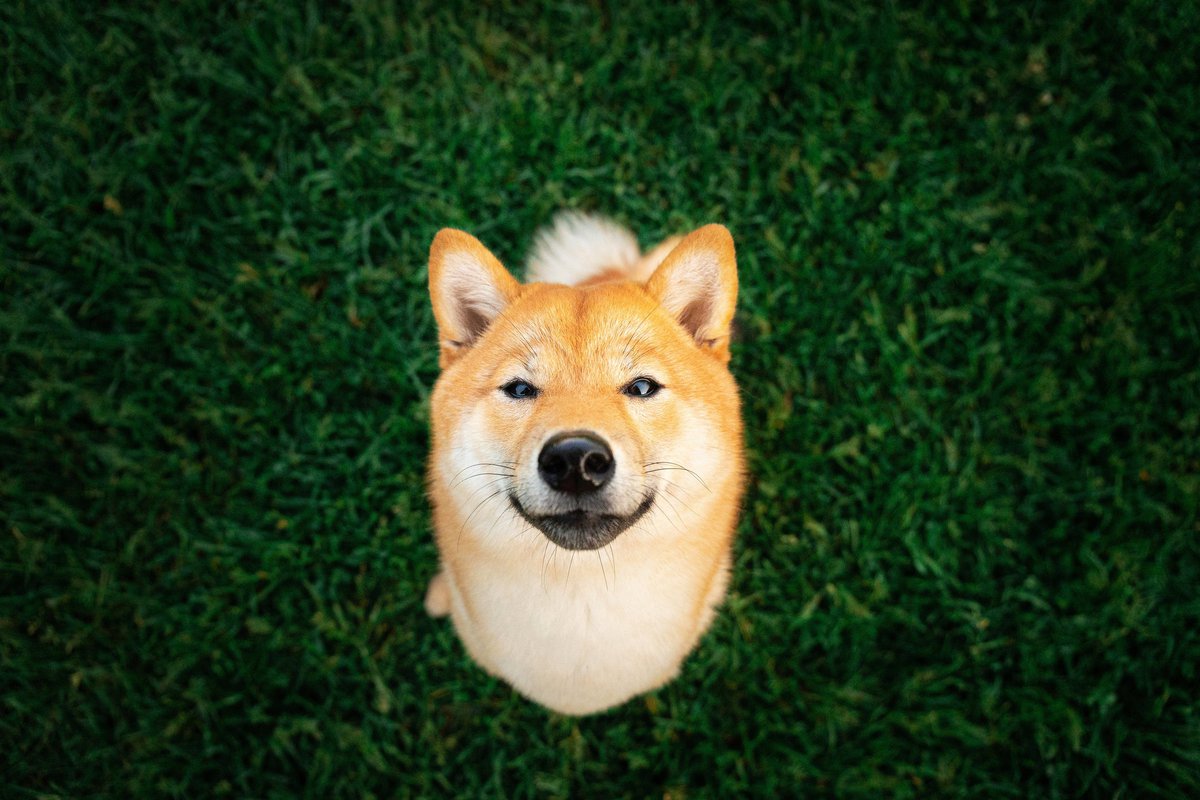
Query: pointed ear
[697, 284]
[469, 289]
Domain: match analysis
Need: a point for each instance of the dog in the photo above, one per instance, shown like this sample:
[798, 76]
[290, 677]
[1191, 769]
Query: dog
[587, 464]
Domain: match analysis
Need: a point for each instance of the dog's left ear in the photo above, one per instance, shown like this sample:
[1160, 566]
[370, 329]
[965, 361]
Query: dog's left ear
[469, 288]
[697, 284]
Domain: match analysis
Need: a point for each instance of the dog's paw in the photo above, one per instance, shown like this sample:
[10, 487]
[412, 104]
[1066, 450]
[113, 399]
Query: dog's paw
[437, 597]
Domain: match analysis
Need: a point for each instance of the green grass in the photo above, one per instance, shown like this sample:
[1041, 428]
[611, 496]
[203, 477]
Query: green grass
[969, 348]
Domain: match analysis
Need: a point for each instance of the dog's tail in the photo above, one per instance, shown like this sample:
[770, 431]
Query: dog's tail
[582, 248]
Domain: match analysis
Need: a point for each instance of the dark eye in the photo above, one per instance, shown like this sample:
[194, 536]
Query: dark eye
[519, 389]
[642, 387]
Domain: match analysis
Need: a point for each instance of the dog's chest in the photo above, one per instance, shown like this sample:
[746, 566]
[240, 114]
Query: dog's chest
[586, 634]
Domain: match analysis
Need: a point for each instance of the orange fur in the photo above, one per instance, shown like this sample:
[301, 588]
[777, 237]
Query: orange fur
[581, 631]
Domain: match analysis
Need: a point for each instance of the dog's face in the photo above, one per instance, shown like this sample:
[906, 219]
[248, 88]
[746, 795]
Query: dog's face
[582, 412]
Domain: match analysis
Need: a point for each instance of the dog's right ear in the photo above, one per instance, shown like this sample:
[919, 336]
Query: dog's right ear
[469, 288]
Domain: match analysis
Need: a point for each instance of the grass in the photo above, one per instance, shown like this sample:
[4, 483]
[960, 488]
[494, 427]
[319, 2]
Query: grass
[969, 351]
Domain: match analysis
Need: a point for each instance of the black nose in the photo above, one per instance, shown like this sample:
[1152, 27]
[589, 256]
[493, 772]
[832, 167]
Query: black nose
[576, 463]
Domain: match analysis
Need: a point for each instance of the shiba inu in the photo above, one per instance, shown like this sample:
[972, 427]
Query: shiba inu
[586, 467]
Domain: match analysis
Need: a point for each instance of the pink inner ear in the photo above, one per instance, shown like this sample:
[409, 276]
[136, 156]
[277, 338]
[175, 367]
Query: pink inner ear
[471, 323]
[688, 285]
[471, 296]
[696, 315]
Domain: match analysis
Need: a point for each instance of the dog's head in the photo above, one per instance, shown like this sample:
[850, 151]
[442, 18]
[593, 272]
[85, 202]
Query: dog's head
[583, 411]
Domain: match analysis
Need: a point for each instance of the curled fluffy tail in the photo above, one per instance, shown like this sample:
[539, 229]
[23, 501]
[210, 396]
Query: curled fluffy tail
[580, 248]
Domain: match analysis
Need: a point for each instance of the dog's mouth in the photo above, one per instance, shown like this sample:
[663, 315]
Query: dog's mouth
[581, 529]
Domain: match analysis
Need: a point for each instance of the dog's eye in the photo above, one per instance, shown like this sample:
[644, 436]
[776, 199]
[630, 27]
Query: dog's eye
[642, 387]
[519, 389]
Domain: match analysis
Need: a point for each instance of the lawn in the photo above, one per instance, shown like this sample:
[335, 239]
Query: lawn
[969, 351]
